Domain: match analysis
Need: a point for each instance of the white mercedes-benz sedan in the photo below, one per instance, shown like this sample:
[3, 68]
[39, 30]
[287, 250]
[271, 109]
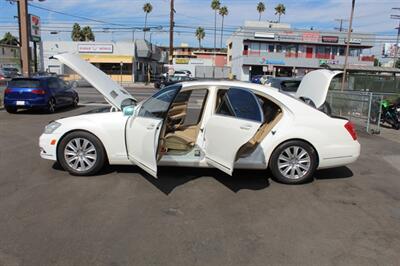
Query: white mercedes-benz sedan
[223, 124]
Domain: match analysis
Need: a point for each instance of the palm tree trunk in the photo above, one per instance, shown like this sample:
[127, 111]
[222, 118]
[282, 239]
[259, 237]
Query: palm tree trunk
[279, 18]
[145, 26]
[222, 30]
[259, 16]
[199, 44]
[215, 30]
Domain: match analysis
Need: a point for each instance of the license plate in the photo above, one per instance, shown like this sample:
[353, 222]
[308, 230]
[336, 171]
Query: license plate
[20, 103]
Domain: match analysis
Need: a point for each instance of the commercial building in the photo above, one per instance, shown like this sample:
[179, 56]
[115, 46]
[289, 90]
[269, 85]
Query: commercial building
[277, 49]
[123, 61]
[200, 61]
[9, 56]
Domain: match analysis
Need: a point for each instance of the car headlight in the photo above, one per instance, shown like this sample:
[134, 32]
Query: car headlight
[51, 127]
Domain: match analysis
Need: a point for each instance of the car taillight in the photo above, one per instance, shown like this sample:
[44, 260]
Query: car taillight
[37, 91]
[7, 91]
[350, 128]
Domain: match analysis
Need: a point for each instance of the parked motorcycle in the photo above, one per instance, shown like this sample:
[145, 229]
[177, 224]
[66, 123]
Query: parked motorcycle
[391, 114]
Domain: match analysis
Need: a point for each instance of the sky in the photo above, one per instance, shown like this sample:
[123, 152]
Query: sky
[371, 16]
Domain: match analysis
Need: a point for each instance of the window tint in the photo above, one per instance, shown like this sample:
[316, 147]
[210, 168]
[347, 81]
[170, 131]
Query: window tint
[240, 103]
[290, 85]
[53, 84]
[158, 105]
[24, 83]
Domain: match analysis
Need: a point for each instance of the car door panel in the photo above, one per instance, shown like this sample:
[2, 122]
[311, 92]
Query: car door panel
[143, 129]
[236, 120]
[223, 138]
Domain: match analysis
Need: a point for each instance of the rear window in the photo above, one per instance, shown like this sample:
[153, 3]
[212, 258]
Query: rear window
[290, 85]
[24, 83]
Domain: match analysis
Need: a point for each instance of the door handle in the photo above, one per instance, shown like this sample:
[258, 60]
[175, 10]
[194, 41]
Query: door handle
[245, 127]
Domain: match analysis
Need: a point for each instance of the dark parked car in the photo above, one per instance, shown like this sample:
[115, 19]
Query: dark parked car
[164, 82]
[39, 92]
[284, 84]
[10, 72]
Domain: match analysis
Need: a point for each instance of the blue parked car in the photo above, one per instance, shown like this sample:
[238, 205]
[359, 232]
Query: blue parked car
[46, 93]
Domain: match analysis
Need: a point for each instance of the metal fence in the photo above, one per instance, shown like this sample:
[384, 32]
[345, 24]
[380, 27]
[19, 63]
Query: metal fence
[362, 108]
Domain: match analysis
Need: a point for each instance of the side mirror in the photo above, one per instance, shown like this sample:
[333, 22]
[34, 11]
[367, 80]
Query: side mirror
[128, 110]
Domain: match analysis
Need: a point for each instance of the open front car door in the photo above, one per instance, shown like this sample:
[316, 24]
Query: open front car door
[143, 129]
[236, 120]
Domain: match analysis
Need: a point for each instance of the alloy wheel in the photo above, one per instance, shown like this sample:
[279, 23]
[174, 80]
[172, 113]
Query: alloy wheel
[294, 162]
[80, 154]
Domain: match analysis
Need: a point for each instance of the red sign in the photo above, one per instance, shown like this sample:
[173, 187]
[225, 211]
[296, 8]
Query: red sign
[311, 36]
[330, 39]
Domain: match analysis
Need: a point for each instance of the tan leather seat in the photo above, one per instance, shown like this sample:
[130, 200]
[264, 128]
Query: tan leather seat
[183, 139]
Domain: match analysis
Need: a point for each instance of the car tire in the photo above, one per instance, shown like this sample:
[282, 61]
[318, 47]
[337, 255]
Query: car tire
[11, 110]
[75, 102]
[293, 162]
[88, 151]
[51, 106]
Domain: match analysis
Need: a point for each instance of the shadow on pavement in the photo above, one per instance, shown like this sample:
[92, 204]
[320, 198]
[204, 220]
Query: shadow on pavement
[59, 110]
[170, 178]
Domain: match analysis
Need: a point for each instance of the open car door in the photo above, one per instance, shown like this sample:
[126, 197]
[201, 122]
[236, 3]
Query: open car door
[143, 129]
[315, 85]
[236, 120]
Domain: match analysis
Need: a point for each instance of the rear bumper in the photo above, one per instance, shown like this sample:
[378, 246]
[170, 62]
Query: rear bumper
[340, 155]
[28, 103]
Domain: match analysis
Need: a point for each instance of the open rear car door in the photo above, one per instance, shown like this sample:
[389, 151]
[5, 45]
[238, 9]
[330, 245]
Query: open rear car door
[236, 120]
[144, 128]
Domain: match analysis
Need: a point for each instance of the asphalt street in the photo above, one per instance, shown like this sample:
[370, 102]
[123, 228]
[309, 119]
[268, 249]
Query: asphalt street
[347, 216]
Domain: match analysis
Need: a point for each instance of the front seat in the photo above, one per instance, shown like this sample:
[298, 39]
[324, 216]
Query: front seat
[182, 140]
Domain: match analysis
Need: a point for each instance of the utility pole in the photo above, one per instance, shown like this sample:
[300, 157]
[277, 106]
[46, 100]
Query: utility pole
[171, 33]
[340, 20]
[348, 43]
[396, 48]
[24, 36]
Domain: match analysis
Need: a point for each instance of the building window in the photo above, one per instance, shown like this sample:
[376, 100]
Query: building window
[255, 48]
[246, 49]
[271, 48]
[323, 52]
[279, 48]
[292, 50]
[342, 51]
[115, 68]
[334, 51]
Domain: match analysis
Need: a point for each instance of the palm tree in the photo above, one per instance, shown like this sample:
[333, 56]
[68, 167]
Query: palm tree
[215, 5]
[200, 34]
[260, 9]
[280, 10]
[76, 34]
[87, 34]
[223, 11]
[9, 39]
[147, 8]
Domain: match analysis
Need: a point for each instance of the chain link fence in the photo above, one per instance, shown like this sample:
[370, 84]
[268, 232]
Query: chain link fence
[362, 108]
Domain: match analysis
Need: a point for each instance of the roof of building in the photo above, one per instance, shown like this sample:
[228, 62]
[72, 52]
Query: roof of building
[364, 68]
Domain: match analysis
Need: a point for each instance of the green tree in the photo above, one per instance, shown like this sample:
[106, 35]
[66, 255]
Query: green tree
[87, 34]
[9, 39]
[215, 5]
[223, 11]
[200, 34]
[260, 9]
[76, 34]
[147, 8]
[280, 10]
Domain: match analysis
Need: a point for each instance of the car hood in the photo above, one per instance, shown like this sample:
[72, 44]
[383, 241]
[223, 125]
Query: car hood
[315, 85]
[114, 93]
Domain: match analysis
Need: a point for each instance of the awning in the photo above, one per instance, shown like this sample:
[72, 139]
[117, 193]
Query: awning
[99, 58]
[360, 68]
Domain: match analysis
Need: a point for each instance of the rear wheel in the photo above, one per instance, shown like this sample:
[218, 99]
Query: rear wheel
[293, 162]
[51, 106]
[75, 102]
[11, 110]
[81, 153]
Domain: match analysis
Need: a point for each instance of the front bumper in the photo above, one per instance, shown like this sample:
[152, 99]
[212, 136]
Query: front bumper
[48, 146]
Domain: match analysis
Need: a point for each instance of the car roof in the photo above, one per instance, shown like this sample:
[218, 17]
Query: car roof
[34, 78]
[285, 78]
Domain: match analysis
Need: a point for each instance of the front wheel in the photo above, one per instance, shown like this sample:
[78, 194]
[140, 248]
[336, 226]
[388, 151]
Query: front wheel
[293, 162]
[81, 153]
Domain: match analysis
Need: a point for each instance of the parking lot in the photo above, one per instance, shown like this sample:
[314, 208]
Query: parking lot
[347, 216]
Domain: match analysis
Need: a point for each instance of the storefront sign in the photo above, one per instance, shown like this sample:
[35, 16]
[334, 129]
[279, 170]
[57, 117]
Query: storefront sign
[34, 28]
[328, 62]
[354, 41]
[288, 35]
[95, 48]
[262, 35]
[330, 39]
[182, 61]
[311, 36]
[265, 61]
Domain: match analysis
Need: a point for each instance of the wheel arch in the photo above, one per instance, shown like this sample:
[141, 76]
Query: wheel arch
[81, 130]
[295, 139]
